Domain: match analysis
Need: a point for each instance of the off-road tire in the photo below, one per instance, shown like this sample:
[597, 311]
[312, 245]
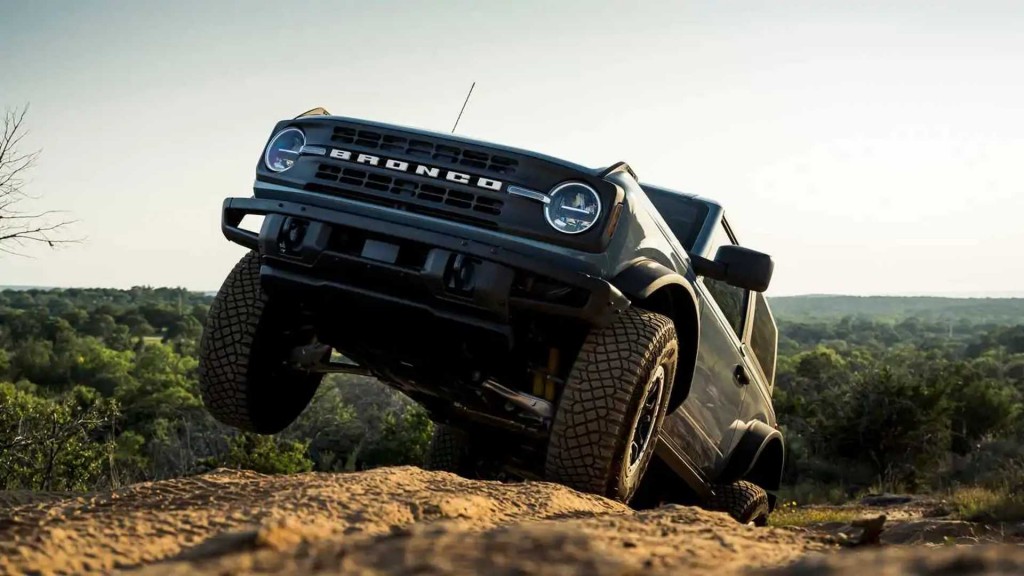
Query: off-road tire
[243, 378]
[745, 501]
[448, 450]
[470, 456]
[599, 406]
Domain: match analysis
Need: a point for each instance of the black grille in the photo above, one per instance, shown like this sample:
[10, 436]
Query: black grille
[425, 149]
[399, 192]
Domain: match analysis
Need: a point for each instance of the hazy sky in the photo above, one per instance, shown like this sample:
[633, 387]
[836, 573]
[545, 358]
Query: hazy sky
[870, 147]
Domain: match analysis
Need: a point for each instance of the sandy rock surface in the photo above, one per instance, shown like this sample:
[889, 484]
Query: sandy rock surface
[406, 520]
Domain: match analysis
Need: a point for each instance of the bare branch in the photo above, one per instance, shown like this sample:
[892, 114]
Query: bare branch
[21, 228]
[14, 215]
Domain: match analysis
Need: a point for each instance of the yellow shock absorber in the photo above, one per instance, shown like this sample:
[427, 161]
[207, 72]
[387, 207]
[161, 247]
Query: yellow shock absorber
[538, 383]
[549, 388]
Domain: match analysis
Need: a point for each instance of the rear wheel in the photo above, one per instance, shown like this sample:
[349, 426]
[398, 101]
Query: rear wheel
[613, 404]
[745, 501]
[244, 377]
[470, 456]
[448, 450]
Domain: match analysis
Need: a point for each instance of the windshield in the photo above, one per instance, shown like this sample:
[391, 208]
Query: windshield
[684, 215]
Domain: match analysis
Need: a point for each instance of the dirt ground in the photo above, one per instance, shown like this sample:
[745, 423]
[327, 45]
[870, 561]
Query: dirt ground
[409, 521]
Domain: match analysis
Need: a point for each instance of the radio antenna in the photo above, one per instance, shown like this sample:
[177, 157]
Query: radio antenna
[463, 107]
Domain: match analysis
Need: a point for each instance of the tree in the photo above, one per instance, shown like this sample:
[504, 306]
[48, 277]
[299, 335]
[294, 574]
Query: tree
[53, 444]
[20, 228]
[267, 454]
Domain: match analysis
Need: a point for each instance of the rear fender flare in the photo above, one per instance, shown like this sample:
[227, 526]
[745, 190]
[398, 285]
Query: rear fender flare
[758, 457]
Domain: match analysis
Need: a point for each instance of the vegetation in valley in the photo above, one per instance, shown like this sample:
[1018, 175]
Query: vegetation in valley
[959, 311]
[908, 405]
[98, 389]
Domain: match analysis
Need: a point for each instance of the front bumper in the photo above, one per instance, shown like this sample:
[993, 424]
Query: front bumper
[454, 276]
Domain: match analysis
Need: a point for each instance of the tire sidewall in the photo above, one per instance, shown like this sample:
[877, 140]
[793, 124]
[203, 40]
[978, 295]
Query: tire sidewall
[629, 481]
[756, 514]
[759, 516]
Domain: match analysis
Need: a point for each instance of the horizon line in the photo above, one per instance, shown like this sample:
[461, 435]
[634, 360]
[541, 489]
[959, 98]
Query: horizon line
[969, 295]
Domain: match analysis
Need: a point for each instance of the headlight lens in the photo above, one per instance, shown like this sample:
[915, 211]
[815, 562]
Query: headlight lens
[574, 208]
[284, 149]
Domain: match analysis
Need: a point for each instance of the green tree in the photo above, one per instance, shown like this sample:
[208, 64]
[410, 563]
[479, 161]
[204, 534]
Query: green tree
[100, 367]
[983, 406]
[59, 444]
[267, 454]
[101, 326]
[137, 324]
[404, 440]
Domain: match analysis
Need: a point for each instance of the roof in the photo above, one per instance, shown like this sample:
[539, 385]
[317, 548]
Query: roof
[664, 190]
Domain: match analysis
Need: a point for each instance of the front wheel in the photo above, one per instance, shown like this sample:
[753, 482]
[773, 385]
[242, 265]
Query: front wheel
[244, 378]
[470, 455]
[613, 404]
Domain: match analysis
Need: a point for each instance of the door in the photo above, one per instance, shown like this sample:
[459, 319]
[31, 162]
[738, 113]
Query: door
[762, 339]
[707, 422]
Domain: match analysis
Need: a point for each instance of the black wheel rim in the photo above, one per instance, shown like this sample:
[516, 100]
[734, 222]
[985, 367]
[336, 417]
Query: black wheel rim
[647, 416]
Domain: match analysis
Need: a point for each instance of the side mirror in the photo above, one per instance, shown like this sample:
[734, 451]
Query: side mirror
[737, 266]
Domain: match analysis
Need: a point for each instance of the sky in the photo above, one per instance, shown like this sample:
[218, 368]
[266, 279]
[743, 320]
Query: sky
[869, 147]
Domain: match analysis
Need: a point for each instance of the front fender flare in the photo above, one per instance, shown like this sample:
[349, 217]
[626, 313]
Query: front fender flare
[653, 286]
[644, 277]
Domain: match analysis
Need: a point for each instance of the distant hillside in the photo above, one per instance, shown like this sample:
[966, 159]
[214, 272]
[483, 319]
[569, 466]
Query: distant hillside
[814, 307]
[825, 307]
[22, 288]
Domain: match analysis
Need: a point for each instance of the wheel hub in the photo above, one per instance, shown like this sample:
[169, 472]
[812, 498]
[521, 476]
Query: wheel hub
[643, 430]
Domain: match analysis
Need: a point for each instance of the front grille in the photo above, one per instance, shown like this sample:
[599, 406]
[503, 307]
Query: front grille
[425, 149]
[407, 194]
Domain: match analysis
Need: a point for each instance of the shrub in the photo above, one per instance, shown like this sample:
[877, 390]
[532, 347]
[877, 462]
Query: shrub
[267, 454]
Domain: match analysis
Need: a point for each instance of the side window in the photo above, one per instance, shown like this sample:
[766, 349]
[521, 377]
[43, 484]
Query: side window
[764, 338]
[732, 300]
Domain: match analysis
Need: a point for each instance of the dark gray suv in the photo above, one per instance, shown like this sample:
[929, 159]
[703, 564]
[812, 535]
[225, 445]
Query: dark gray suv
[557, 322]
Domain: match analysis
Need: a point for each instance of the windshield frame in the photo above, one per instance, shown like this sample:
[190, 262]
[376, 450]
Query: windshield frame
[668, 202]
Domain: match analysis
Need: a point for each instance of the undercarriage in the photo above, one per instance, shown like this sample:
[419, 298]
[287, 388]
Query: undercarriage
[498, 381]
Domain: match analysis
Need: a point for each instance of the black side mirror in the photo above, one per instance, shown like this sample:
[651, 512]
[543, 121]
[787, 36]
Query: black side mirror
[737, 266]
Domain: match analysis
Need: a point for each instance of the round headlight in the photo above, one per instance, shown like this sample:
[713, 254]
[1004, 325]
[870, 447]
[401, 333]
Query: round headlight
[284, 149]
[574, 208]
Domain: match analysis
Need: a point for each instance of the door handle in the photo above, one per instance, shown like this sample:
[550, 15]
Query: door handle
[740, 375]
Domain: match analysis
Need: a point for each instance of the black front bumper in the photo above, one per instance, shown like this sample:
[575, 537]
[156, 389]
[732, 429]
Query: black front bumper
[453, 277]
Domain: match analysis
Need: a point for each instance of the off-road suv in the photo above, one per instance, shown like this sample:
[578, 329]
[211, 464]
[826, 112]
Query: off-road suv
[557, 322]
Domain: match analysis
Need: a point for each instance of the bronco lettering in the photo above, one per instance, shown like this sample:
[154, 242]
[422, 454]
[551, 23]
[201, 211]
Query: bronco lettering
[418, 169]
